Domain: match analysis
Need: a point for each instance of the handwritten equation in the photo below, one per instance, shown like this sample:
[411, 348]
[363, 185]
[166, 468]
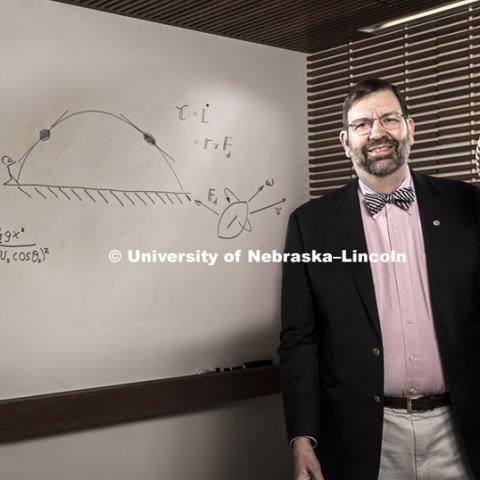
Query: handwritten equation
[222, 144]
[15, 248]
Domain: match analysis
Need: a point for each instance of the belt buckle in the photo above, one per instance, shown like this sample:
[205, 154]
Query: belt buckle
[409, 405]
[410, 398]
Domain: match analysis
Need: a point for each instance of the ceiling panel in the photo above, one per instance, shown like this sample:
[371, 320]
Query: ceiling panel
[302, 25]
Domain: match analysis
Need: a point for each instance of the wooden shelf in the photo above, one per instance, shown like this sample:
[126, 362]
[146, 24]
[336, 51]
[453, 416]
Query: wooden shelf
[80, 409]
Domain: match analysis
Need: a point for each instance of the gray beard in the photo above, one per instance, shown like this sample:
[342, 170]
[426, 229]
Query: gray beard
[398, 158]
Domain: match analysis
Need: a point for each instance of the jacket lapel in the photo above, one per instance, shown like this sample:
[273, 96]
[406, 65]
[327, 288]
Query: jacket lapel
[435, 237]
[348, 227]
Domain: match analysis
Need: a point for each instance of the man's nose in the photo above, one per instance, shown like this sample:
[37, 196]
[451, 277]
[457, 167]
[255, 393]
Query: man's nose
[377, 130]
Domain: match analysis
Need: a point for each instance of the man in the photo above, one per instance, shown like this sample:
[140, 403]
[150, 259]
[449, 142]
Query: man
[8, 162]
[380, 362]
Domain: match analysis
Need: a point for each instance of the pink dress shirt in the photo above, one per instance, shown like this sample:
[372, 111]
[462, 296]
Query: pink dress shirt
[411, 359]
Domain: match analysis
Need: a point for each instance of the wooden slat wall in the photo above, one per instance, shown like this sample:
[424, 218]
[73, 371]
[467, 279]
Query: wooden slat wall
[436, 65]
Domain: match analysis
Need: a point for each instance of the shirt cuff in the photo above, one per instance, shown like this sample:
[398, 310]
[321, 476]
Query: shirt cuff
[312, 440]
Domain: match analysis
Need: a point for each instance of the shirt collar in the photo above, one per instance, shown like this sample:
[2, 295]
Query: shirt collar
[363, 188]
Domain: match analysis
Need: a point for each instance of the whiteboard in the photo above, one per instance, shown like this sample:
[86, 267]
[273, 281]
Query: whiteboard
[167, 147]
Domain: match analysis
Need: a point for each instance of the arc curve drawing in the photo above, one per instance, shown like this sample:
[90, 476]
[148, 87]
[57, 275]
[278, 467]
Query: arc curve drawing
[89, 133]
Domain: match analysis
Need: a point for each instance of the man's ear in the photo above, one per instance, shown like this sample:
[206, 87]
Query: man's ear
[411, 130]
[344, 141]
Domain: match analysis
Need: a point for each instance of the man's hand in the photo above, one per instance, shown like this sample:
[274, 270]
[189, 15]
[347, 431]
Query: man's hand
[305, 462]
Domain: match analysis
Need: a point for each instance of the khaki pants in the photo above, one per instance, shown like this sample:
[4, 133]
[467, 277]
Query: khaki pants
[421, 446]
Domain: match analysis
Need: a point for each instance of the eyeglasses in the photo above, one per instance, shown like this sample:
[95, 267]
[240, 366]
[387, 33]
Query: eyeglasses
[389, 121]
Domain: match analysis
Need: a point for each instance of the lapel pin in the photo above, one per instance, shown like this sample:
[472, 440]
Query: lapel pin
[436, 223]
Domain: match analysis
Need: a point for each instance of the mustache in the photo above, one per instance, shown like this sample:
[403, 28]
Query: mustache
[381, 141]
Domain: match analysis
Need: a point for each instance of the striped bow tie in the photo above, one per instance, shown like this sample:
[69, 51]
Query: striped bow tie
[402, 197]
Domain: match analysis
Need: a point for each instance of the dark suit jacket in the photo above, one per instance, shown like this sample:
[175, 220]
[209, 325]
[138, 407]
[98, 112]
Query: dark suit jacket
[331, 378]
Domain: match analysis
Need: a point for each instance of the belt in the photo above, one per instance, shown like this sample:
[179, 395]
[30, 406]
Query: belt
[418, 404]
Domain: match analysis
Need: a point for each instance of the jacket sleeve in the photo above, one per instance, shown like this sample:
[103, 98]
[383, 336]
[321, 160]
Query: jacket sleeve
[478, 268]
[298, 348]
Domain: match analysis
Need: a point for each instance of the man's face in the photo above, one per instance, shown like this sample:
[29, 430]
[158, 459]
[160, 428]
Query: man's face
[381, 151]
